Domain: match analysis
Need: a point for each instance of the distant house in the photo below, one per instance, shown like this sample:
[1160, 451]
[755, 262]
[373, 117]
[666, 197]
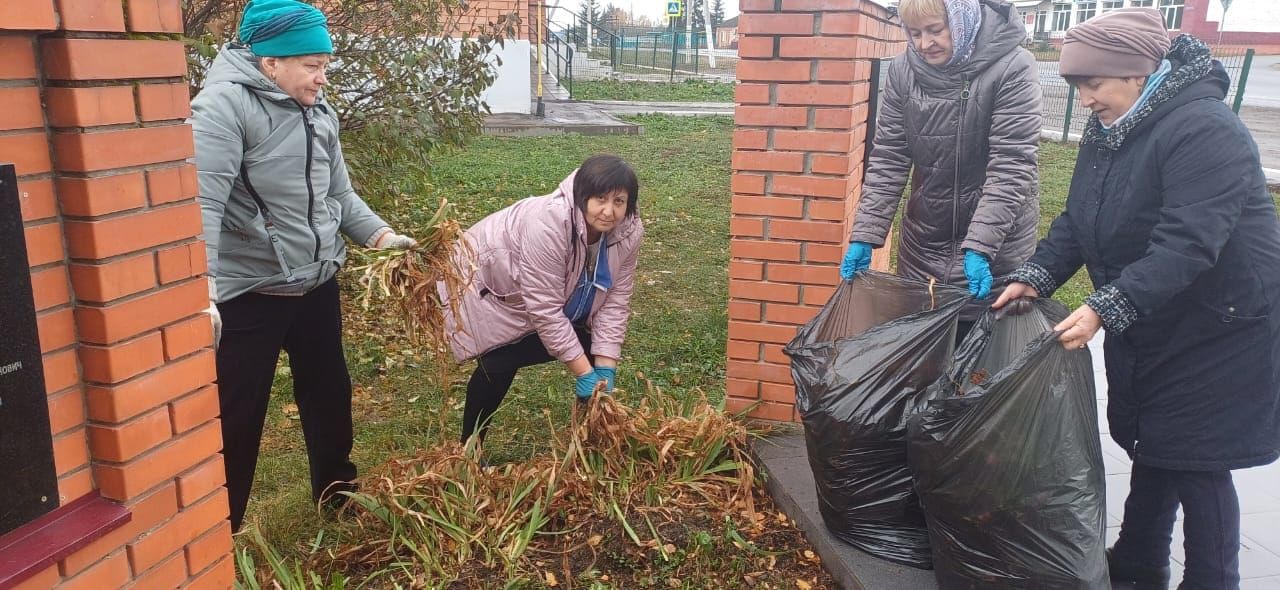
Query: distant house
[1247, 21]
[727, 34]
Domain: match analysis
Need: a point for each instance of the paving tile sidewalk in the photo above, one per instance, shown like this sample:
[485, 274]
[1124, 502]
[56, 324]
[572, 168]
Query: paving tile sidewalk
[785, 459]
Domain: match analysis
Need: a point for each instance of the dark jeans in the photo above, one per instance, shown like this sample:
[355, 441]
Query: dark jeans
[496, 370]
[255, 328]
[1211, 524]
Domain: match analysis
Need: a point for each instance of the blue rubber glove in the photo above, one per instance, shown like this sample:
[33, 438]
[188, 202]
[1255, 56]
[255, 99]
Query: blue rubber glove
[977, 269]
[607, 374]
[585, 385]
[856, 259]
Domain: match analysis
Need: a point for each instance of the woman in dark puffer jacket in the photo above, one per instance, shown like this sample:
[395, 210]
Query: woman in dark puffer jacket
[1169, 212]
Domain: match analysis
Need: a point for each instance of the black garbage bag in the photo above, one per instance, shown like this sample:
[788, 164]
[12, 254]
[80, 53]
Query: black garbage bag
[1008, 460]
[861, 367]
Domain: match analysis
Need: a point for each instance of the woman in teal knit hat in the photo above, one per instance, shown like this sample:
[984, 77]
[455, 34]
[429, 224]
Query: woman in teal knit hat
[275, 195]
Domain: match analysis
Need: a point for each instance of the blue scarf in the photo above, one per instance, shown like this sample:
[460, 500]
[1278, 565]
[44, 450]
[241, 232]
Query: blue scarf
[584, 294]
[1153, 84]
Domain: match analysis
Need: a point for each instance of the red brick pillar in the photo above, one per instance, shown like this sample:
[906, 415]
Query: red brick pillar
[94, 108]
[804, 70]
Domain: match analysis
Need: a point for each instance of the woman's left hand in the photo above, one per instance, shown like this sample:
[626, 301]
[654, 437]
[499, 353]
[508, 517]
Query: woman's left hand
[387, 239]
[1079, 327]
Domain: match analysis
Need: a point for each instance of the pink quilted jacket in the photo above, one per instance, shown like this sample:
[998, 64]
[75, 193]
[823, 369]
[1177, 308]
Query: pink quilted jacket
[525, 261]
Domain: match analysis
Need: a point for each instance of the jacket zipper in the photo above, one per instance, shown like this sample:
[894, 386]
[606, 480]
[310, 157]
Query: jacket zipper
[1098, 189]
[955, 184]
[311, 192]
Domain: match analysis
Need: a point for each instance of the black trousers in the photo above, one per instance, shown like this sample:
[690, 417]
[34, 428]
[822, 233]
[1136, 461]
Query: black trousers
[255, 328]
[496, 370]
[1211, 524]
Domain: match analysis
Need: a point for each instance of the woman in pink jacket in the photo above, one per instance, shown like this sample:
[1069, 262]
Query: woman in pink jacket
[551, 279]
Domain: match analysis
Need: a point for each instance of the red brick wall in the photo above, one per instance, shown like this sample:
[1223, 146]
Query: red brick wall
[487, 11]
[798, 148]
[94, 103]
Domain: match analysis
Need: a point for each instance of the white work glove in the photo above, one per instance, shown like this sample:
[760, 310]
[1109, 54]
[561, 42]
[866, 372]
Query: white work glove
[387, 239]
[214, 315]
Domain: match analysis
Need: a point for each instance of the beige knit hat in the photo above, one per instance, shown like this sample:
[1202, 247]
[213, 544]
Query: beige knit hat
[1128, 42]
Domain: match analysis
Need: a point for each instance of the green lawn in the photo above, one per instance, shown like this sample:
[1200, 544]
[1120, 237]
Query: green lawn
[1057, 160]
[686, 91]
[678, 329]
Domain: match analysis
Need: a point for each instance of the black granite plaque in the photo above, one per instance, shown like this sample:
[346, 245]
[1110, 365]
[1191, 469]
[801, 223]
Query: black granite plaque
[28, 481]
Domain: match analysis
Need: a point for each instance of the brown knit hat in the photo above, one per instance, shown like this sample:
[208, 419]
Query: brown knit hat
[1123, 43]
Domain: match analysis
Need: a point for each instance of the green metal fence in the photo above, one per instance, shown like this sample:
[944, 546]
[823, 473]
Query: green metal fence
[579, 50]
[1063, 113]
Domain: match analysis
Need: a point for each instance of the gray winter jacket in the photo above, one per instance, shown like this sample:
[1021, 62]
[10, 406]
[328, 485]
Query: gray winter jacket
[274, 190]
[971, 135]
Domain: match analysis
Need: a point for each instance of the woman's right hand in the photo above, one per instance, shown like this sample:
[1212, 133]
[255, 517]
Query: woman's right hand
[585, 385]
[1015, 290]
[856, 259]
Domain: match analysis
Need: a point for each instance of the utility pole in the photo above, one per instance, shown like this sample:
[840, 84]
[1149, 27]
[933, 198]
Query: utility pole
[706, 25]
[1222, 23]
[542, 46]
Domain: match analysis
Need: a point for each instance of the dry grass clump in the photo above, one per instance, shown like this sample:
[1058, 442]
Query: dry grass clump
[620, 488]
[405, 280]
[441, 516]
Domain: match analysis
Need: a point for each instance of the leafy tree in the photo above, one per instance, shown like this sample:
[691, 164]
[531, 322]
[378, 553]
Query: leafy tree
[717, 13]
[407, 72]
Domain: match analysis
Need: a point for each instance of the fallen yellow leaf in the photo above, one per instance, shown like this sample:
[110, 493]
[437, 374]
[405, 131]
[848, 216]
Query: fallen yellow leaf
[803, 585]
[551, 580]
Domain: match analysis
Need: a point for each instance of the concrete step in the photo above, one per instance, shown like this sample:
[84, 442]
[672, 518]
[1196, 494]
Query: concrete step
[561, 117]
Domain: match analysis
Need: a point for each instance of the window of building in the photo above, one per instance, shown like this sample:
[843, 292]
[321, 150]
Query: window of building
[1109, 5]
[1061, 17]
[1086, 11]
[1172, 10]
[1141, 3]
[1042, 21]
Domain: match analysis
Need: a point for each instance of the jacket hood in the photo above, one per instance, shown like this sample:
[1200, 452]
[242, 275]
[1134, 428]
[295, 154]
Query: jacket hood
[1002, 31]
[236, 64]
[624, 229]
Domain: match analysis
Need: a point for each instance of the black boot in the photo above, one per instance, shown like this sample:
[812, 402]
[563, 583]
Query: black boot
[333, 501]
[1136, 575]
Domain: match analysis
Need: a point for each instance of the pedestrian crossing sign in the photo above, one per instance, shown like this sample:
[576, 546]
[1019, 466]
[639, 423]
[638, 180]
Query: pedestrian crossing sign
[674, 8]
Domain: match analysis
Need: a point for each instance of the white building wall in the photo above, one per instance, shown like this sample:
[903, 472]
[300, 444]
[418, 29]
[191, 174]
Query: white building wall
[512, 88]
[1247, 16]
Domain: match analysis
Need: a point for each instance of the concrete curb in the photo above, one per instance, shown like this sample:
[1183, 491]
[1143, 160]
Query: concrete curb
[784, 460]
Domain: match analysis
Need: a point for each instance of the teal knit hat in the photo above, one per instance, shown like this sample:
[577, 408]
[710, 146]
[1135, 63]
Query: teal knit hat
[284, 28]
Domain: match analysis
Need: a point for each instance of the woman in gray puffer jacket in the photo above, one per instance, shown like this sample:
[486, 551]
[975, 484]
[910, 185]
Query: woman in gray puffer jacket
[961, 115]
[276, 199]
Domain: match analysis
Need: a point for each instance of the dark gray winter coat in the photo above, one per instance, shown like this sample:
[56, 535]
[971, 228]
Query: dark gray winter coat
[1170, 214]
[967, 137]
